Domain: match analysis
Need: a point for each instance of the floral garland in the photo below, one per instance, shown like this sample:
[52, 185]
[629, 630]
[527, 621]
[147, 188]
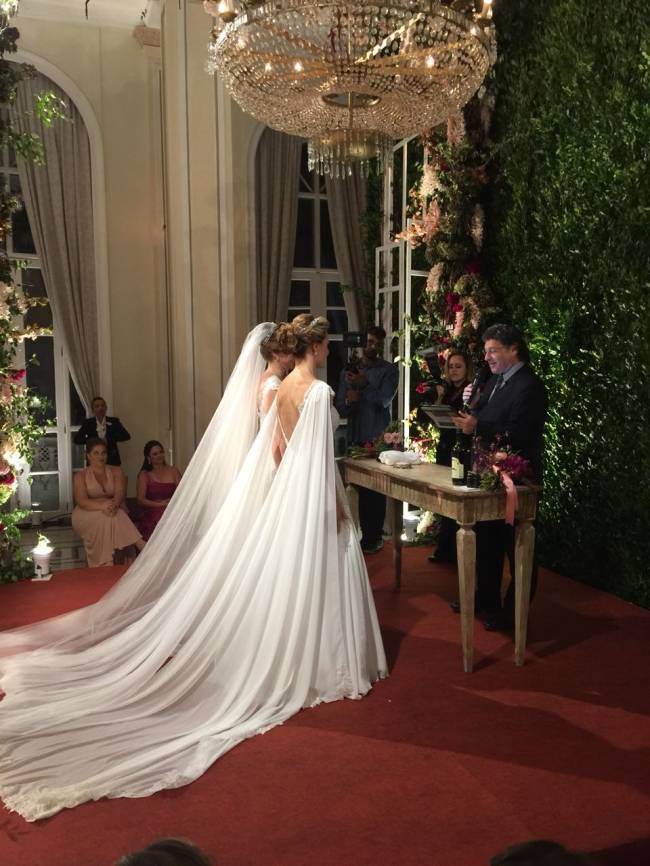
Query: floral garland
[390, 440]
[447, 216]
[495, 464]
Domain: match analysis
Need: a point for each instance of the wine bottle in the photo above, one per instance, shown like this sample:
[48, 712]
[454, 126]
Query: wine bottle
[458, 463]
[472, 478]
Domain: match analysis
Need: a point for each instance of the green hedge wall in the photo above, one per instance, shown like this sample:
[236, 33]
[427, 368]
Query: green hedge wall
[568, 249]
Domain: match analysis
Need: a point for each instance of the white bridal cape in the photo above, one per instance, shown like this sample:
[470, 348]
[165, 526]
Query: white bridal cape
[198, 498]
[269, 611]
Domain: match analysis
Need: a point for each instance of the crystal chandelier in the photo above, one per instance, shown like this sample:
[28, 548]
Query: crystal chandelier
[351, 77]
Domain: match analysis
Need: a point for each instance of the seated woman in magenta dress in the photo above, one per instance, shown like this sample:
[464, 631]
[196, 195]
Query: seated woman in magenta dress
[156, 485]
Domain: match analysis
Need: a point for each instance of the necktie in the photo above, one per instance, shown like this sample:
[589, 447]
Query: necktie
[499, 384]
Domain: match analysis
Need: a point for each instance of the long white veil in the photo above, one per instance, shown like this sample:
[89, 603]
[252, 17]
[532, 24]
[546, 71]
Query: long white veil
[201, 493]
[271, 612]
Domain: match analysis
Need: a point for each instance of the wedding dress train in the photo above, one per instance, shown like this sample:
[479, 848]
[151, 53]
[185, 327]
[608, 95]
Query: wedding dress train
[270, 612]
[194, 505]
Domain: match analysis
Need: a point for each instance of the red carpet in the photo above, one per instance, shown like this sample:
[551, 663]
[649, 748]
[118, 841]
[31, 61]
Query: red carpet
[434, 767]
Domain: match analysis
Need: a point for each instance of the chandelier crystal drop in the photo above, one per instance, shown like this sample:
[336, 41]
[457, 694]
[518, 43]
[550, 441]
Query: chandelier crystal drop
[349, 77]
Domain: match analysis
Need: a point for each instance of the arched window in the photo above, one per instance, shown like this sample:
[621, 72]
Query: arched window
[315, 279]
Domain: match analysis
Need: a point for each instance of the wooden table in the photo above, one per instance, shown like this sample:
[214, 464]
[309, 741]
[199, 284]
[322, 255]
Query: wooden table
[429, 487]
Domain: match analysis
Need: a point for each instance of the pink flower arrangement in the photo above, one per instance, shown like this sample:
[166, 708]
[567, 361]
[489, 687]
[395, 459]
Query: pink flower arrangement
[414, 234]
[433, 280]
[515, 465]
[430, 181]
[17, 375]
[455, 128]
[431, 220]
[421, 388]
[495, 462]
[393, 438]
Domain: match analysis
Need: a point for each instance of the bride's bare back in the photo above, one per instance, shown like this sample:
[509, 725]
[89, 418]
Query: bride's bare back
[291, 395]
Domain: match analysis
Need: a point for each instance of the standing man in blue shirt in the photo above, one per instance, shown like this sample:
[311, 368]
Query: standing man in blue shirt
[364, 397]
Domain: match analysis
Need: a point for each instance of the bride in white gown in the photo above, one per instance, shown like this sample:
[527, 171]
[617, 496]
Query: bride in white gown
[278, 364]
[269, 612]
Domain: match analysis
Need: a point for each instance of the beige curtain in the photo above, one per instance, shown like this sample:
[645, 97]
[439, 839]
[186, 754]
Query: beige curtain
[58, 198]
[347, 201]
[277, 170]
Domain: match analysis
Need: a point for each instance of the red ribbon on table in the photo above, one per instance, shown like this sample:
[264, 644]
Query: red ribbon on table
[511, 497]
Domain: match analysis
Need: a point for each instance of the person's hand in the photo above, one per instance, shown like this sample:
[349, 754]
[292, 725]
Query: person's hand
[109, 509]
[466, 423]
[352, 397]
[356, 379]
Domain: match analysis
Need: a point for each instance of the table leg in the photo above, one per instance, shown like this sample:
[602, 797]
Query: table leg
[524, 545]
[466, 549]
[397, 542]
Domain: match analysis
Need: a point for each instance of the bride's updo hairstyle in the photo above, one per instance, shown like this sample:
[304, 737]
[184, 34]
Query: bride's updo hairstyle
[272, 343]
[303, 332]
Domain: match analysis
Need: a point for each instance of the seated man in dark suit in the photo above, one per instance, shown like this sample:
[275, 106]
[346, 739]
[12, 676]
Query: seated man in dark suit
[513, 406]
[103, 427]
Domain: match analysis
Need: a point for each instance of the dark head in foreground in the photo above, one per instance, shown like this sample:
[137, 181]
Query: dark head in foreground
[539, 852]
[167, 852]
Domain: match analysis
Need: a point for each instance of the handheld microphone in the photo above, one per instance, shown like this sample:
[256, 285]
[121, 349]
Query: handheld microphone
[473, 391]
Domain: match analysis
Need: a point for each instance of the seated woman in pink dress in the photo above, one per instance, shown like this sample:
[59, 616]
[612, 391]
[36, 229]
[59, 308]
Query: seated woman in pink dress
[99, 516]
[156, 484]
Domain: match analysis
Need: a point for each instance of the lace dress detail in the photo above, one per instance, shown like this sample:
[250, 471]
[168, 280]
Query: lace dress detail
[271, 384]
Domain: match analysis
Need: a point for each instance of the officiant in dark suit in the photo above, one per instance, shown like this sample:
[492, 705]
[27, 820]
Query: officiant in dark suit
[513, 406]
[103, 426]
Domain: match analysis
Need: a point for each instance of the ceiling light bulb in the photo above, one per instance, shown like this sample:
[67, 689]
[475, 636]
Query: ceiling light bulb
[298, 66]
[430, 61]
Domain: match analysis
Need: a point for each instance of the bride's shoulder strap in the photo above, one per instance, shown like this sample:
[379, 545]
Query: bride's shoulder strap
[318, 390]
